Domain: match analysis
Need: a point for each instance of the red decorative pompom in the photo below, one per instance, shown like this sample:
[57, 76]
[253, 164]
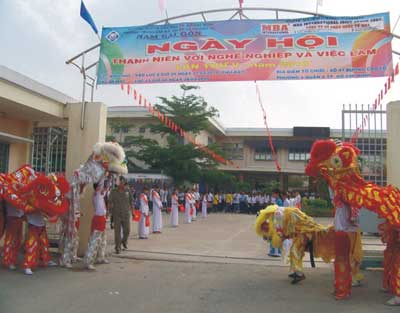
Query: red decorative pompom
[136, 215]
[63, 184]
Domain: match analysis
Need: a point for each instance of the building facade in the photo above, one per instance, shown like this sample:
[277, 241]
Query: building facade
[248, 148]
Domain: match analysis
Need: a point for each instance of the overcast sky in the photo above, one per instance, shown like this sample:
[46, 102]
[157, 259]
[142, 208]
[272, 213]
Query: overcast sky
[37, 36]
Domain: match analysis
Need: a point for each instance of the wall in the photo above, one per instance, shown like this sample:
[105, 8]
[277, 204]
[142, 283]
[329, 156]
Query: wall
[79, 148]
[393, 146]
[250, 164]
[19, 152]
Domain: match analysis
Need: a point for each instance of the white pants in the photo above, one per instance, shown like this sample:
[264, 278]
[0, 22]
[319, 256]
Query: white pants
[194, 216]
[188, 217]
[142, 229]
[204, 209]
[174, 215]
[96, 251]
[157, 220]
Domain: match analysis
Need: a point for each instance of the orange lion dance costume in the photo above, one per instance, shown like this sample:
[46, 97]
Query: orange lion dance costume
[337, 163]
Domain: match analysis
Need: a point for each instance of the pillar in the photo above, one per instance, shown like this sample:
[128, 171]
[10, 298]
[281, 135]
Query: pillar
[79, 147]
[393, 147]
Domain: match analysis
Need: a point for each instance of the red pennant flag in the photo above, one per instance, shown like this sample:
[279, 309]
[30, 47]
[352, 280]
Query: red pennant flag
[134, 94]
[386, 88]
[122, 86]
[128, 90]
[375, 104]
[396, 70]
[381, 94]
[140, 99]
[145, 102]
[389, 83]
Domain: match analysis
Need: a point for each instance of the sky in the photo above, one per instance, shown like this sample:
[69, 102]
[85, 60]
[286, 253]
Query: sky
[38, 36]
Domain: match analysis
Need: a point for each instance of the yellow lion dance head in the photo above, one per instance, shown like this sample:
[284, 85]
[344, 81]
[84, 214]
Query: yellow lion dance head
[269, 224]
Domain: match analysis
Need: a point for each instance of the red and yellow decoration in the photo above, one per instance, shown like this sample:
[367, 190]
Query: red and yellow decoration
[31, 193]
[338, 165]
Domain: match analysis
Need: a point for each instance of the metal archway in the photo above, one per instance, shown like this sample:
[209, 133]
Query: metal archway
[90, 80]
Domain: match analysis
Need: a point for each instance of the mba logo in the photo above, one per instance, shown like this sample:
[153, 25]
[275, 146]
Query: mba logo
[274, 28]
[113, 36]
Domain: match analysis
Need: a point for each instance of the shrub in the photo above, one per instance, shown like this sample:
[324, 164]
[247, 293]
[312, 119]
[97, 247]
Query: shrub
[317, 207]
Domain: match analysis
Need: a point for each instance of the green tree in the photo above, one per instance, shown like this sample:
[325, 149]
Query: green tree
[182, 162]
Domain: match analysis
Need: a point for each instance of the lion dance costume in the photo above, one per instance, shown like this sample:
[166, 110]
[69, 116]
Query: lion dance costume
[337, 163]
[294, 231]
[31, 197]
[106, 157]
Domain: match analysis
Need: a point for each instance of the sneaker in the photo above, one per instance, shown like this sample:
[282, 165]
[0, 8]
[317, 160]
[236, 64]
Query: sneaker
[298, 278]
[395, 301]
[90, 267]
[68, 265]
[28, 271]
[117, 251]
[12, 267]
[105, 261]
[51, 263]
[124, 246]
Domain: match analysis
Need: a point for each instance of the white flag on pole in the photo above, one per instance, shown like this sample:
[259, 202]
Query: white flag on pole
[162, 4]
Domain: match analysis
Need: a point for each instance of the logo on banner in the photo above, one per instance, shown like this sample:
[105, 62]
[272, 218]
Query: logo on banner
[113, 36]
[267, 29]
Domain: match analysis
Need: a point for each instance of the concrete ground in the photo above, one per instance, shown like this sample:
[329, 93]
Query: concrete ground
[213, 265]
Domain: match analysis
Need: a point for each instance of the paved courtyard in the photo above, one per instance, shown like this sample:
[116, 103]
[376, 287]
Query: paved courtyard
[214, 265]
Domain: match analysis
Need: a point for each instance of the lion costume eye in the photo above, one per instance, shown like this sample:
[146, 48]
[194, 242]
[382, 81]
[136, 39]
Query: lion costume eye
[336, 161]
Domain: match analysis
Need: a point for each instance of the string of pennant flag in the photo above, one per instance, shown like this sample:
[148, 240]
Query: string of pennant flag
[271, 144]
[142, 101]
[376, 103]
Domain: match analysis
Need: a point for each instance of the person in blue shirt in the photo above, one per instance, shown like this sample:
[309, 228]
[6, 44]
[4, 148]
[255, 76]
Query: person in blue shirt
[275, 252]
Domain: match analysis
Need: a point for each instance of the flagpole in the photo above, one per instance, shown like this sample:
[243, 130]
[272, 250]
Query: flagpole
[316, 7]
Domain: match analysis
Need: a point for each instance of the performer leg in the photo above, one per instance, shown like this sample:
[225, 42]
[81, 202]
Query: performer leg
[342, 266]
[393, 275]
[356, 258]
[31, 258]
[296, 259]
[101, 254]
[91, 252]
[12, 241]
[44, 245]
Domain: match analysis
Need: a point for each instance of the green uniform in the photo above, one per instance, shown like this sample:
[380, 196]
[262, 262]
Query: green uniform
[120, 205]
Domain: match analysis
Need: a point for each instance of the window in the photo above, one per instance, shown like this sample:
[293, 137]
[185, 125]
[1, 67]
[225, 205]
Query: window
[4, 154]
[263, 154]
[298, 154]
[142, 129]
[210, 141]
[233, 151]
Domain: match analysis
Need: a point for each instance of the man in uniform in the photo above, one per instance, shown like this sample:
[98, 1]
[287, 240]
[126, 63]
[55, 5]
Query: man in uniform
[120, 205]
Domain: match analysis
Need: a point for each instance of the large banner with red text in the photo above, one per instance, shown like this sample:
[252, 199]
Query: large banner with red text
[240, 50]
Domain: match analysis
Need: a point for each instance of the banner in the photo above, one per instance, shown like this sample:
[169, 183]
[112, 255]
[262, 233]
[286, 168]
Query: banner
[239, 50]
